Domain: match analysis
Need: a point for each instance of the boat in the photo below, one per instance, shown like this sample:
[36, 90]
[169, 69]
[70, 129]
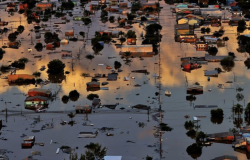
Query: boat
[168, 93]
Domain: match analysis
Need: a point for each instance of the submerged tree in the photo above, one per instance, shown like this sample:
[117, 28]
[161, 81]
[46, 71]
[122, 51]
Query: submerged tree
[56, 66]
[74, 95]
[227, 63]
[95, 151]
[65, 99]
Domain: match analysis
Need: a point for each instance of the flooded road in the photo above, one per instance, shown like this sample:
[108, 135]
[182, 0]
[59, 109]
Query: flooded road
[174, 143]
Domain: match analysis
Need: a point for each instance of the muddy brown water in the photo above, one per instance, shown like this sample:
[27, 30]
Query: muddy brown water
[174, 143]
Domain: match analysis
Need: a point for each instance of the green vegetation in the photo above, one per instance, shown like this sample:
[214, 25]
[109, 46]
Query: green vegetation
[89, 56]
[131, 34]
[2, 52]
[65, 99]
[136, 6]
[189, 124]
[165, 127]
[71, 116]
[37, 74]
[191, 133]
[201, 136]
[56, 66]
[82, 34]
[194, 149]
[85, 75]
[239, 97]
[217, 113]
[39, 46]
[117, 65]
[86, 21]
[92, 96]
[227, 63]
[12, 37]
[74, 95]
[212, 51]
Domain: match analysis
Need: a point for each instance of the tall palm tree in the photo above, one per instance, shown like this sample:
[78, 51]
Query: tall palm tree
[238, 109]
[247, 110]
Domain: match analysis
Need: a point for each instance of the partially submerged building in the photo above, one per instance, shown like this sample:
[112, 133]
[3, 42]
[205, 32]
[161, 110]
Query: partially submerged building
[195, 89]
[223, 136]
[39, 92]
[36, 102]
[21, 78]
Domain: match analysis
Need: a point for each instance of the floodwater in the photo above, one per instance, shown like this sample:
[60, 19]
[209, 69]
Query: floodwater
[174, 143]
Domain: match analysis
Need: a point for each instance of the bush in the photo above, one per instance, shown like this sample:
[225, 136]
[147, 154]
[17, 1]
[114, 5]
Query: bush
[212, 51]
[92, 96]
[191, 133]
[18, 64]
[217, 113]
[74, 95]
[82, 34]
[12, 37]
[227, 63]
[165, 127]
[117, 65]
[38, 80]
[189, 124]
[194, 149]
[89, 56]
[37, 74]
[56, 66]
[39, 46]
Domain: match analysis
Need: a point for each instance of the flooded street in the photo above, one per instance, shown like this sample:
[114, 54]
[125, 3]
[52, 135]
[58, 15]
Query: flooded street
[124, 121]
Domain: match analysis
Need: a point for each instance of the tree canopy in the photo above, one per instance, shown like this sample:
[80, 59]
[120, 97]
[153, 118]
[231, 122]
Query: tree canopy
[56, 66]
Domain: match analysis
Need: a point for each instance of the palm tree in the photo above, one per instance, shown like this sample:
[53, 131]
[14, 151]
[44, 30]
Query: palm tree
[71, 116]
[238, 109]
[95, 151]
[247, 113]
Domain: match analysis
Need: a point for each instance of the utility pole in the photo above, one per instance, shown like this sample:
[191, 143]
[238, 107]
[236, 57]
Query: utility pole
[6, 113]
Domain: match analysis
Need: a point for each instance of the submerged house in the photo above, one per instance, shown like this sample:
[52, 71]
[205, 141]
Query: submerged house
[36, 102]
[195, 89]
[223, 136]
[138, 49]
[66, 54]
[11, 7]
[21, 78]
[14, 45]
[44, 5]
[93, 84]
[39, 92]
